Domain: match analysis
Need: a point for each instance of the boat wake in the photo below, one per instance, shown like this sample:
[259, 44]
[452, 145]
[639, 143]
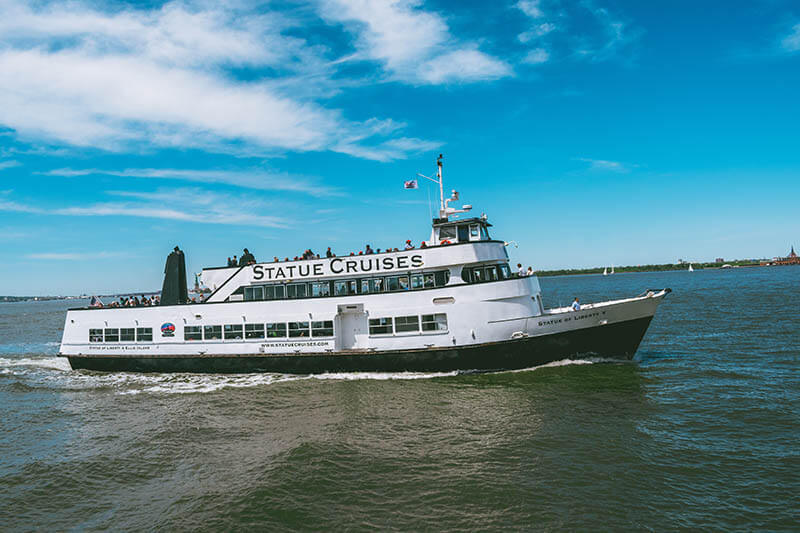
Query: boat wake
[48, 372]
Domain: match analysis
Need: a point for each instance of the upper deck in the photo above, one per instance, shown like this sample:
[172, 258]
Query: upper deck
[226, 280]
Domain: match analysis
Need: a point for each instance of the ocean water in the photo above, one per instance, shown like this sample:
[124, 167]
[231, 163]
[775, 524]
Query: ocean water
[700, 431]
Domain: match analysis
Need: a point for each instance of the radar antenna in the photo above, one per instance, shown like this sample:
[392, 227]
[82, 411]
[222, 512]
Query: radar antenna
[444, 209]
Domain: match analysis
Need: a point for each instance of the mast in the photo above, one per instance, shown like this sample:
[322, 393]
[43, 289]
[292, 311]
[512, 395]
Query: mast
[442, 212]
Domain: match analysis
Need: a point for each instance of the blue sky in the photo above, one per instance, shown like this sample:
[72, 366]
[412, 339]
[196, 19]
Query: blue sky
[591, 132]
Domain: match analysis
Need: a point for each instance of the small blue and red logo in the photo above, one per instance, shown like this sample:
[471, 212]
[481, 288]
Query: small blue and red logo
[168, 329]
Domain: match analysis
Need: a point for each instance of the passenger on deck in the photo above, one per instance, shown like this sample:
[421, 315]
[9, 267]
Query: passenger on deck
[423, 245]
[329, 253]
[409, 246]
[369, 250]
[520, 270]
[529, 272]
[234, 261]
[576, 305]
[230, 262]
[247, 258]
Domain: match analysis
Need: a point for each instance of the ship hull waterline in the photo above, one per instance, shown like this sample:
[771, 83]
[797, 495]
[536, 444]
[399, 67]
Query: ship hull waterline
[613, 341]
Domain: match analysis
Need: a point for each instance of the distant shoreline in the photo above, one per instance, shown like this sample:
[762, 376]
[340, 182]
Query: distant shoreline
[668, 267]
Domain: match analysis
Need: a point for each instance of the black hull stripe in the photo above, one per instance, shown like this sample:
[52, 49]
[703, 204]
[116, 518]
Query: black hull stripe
[618, 340]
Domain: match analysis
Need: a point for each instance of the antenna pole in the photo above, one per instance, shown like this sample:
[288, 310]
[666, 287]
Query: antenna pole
[441, 187]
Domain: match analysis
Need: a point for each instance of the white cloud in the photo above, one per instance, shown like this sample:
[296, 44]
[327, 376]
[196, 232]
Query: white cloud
[536, 56]
[604, 164]
[530, 8]
[76, 75]
[412, 44]
[196, 205]
[9, 164]
[251, 179]
[791, 42]
[462, 65]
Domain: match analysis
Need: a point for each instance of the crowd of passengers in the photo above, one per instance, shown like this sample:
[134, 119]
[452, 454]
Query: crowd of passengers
[248, 258]
[134, 301]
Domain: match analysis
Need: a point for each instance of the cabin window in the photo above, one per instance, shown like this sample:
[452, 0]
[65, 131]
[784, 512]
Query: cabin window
[437, 322]
[447, 233]
[319, 289]
[505, 271]
[491, 273]
[212, 332]
[477, 275]
[429, 281]
[298, 329]
[484, 233]
[417, 281]
[296, 290]
[233, 331]
[192, 333]
[144, 334]
[404, 324]
[474, 232]
[254, 331]
[463, 233]
[274, 292]
[380, 326]
[112, 335]
[254, 293]
[276, 330]
[127, 334]
[442, 277]
[322, 329]
[344, 287]
[95, 335]
[376, 285]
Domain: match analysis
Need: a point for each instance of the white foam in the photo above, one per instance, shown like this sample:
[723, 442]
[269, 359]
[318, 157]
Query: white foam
[53, 363]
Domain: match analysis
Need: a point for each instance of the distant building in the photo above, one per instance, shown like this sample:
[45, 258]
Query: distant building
[719, 260]
[791, 259]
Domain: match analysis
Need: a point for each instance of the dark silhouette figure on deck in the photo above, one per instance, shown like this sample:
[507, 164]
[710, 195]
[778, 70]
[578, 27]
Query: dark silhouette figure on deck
[174, 291]
[247, 258]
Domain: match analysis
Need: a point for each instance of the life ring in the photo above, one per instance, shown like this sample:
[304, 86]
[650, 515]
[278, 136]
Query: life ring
[445, 241]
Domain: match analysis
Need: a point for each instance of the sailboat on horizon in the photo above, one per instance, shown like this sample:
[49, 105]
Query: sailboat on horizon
[690, 268]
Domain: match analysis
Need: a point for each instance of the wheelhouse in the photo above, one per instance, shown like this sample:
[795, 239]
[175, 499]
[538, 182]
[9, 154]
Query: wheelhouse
[460, 231]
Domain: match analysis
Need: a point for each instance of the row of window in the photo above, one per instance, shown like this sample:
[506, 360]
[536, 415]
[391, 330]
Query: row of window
[485, 273]
[276, 330]
[321, 328]
[407, 324]
[121, 335]
[345, 287]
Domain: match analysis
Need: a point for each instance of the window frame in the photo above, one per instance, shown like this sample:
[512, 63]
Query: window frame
[96, 335]
[190, 331]
[144, 332]
[324, 330]
[295, 329]
[131, 334]
[105, 335]
[232, 328]
[436, 320]
[383, 323]
[250, 329]
[279, 331]
[403, 324]
[213, 328]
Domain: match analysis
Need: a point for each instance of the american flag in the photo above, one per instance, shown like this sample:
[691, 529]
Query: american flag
[411, 184]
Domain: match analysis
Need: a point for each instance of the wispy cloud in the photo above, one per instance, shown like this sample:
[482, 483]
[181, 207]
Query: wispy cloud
[9, 164]
[791, 43]
[133, 78]
[196, 205]
[573, 29]
[252, 179]
[413, 44]
[604, 164]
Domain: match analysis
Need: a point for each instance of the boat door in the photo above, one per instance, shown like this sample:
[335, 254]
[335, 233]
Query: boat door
[351, 327]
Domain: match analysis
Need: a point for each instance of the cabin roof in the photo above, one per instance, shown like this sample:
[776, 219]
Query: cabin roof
[472, 220]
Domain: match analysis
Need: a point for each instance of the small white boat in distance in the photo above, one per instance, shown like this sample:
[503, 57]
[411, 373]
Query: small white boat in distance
[690, 268]
[605, 271]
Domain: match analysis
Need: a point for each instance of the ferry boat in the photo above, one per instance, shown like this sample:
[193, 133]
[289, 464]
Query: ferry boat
[454, 303]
